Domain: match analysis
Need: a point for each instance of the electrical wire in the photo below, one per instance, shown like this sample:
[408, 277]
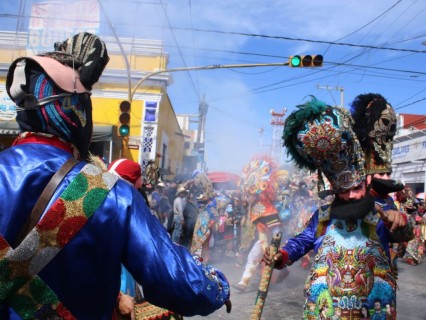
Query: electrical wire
[193, 43]
[302, 39]
[365, 25]
[180, 52]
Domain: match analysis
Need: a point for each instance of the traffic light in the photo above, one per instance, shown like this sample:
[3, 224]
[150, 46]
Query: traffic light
[305, 61]
[124, 118]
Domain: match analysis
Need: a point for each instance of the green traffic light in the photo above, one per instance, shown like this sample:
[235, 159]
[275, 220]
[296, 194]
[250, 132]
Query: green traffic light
[295, 61]
[124, 130]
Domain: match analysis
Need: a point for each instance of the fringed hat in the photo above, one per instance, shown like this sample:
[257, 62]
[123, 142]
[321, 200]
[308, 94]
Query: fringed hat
[320, 138]
[375, 127]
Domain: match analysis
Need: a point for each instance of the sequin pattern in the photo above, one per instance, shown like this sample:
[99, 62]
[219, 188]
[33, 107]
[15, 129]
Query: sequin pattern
[351, 270]
[26, 293]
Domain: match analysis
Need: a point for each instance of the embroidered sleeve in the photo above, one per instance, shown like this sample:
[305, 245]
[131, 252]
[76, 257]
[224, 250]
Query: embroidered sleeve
[301, 244]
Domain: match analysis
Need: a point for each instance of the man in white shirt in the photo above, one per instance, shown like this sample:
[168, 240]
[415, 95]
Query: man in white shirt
[178, 206]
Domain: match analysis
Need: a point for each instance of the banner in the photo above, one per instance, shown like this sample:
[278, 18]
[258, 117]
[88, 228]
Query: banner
[411, 150]
[53, 21]
[7, 107]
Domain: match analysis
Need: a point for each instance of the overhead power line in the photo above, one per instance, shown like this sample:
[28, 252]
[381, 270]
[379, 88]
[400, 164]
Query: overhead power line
[304, 39]
[410, 104]
[262, 36]
[285, 58]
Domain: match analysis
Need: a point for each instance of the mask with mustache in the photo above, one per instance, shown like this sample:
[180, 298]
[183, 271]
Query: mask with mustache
[383, 186]
[352, 209]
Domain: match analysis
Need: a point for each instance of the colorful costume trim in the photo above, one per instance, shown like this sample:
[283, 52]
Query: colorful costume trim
[26, 293]
[147, 311]
[351, 269]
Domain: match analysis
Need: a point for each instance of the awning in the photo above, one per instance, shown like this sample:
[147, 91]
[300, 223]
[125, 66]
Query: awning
[219, 176]
[100, 132]
[103, 132]
[224, 180]
[9, 128]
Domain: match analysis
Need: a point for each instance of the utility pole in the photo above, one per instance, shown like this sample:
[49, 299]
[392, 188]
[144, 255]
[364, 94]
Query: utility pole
[261, 143]
[201, 143]
[334, 88]
[277, 123]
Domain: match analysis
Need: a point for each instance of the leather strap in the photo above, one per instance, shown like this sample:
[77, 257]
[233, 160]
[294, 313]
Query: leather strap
[44, 198]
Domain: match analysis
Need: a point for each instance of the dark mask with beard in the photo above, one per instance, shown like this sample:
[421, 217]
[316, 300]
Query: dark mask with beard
[383, 186]
[352, 209]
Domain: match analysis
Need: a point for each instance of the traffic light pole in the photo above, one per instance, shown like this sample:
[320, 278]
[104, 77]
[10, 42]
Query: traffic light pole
[211, 67]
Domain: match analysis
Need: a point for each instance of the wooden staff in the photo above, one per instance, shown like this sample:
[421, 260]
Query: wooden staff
[266, 279]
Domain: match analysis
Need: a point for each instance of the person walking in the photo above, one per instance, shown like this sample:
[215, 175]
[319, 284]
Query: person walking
[351, 268]
[190, 214]
[178, 219]
[258, 184]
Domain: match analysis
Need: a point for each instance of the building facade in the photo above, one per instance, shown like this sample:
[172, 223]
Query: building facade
[154, 132]
[409, 151]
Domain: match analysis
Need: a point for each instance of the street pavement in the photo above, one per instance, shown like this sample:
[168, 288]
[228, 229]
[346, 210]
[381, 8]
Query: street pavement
[285, 299]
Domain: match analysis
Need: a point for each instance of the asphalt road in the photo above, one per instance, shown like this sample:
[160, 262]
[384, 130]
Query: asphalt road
[285, 299]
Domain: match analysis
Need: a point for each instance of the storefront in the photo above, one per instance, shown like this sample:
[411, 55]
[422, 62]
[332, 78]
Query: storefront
[104, 138]
[409, 160]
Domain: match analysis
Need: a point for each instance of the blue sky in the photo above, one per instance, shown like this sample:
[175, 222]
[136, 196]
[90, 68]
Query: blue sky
[367, 47]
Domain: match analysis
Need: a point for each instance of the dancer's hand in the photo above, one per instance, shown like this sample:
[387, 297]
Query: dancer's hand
[392, 218]
[268, 258]
[126, 306]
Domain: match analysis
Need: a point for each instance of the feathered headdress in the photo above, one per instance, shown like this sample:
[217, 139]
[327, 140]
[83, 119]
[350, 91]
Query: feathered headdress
[320, 138]
[257, 177]
[375, 127]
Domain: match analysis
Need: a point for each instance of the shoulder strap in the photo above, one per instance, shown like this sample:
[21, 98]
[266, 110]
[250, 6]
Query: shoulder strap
[45, 196]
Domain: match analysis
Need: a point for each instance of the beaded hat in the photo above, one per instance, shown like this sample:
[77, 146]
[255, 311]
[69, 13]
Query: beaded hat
[320, 138]
[52, 90]
[375, 127]
[90, 56]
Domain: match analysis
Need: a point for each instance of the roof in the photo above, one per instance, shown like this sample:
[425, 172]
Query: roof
[417, 121]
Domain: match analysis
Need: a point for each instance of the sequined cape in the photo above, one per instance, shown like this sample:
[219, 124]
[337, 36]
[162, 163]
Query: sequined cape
[86, 273]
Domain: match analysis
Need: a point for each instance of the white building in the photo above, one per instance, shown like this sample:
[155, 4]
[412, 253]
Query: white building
[409, 152]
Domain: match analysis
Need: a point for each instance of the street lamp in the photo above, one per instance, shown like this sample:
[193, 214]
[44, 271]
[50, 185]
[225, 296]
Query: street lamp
[211, 67]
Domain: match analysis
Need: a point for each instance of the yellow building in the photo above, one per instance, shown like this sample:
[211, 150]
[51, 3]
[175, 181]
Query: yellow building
[154, 132]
